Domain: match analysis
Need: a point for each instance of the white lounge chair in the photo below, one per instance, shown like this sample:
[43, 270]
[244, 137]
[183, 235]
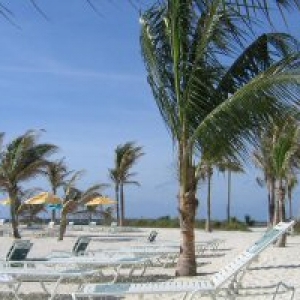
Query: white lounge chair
[79, 248]
[162, 254]
[232, 273]
[15, 277]
[18, 250]
[114, 266]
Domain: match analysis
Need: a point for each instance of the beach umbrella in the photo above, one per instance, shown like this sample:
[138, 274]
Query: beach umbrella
[43, 198]
[5, 202]
[100, 201]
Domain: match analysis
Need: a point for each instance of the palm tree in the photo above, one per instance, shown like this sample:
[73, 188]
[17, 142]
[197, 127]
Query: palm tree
[74, 198]
[206, 173]
[292, 182]
[277, 155]
[262, 157]
[183, 46]
[230, 166]
[286, 158]
[21, 160]
[126, 156]
[56, 172]
[29, 211]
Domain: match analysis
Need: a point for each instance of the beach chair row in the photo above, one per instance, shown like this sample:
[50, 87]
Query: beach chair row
[78, 264]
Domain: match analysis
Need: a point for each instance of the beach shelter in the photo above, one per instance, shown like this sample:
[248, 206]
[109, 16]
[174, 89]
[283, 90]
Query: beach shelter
[44, 198]
[102, 200]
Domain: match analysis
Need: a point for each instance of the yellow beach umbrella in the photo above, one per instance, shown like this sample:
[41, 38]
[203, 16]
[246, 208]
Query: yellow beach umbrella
[43, 198]
[100, 201]
[5, 202]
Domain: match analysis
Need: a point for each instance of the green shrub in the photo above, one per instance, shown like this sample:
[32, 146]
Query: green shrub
[168, 222]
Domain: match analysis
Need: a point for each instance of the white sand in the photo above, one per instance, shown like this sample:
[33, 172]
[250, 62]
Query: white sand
[275, 264]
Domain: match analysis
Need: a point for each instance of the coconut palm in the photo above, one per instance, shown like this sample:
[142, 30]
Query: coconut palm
[292, 182]
[262, 158]
[277, 155]
[126, 156]
[56, 172]
[206, 173]
[231, 167]
[26, 211]
[21, 160]
[205, 104]
[75, 198]
[286, 159]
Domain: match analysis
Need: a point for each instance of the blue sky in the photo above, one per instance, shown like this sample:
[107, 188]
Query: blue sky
[80, 76]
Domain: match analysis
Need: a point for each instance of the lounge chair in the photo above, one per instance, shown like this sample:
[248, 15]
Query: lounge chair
[49, 231]
[232, 273]
[18, 250]
[14, 277]
[114, 266]
[73, 227]
[79, 248]
[152, 236]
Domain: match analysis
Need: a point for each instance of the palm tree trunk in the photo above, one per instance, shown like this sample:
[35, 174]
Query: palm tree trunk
[13, 208]
[272, 203]
[53, 215]
[62, 226]
[122, 208]
[281, 213]
[228, 196]
[53, 212]
[117, 203]
[290, 206]
[208, 218]
[186, 264]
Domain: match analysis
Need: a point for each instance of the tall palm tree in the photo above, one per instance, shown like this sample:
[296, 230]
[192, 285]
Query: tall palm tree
[292, 182]
[21, 160]
[231, 167]
[277, 155]
[206, 173]
[262, 158]
[56, 172]
[286, 159]
[183, 46]
[74, 198]
[126, 156]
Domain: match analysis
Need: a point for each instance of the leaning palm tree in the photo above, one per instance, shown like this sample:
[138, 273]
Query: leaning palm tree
[26, 211]
[75, 198]
[56, 172]
[205, 104]
[21, 160]
[126, 156]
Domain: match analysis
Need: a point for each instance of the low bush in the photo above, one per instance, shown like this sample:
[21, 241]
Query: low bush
[168, 222]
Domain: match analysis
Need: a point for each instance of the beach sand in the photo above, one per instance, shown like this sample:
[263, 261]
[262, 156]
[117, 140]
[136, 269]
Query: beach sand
[274, 264]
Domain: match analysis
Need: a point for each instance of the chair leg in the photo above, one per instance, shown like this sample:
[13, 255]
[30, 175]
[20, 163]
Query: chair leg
[14, 290]
[285, 286]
